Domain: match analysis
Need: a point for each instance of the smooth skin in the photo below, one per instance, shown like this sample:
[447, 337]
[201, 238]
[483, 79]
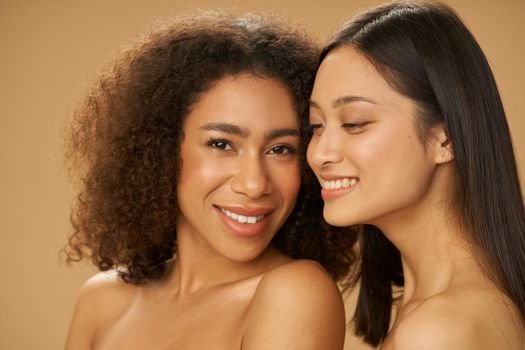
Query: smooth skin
[366, 132]
[229, 288]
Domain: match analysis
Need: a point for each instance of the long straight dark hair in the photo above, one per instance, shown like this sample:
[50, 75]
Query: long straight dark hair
[427, 54]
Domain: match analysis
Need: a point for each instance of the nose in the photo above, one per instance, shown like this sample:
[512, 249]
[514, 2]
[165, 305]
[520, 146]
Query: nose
[251, 178]
[324, 149]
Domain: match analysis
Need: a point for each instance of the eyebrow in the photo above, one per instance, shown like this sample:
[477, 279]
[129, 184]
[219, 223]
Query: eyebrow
[282, 132]
[238, 131]
[226, 128]
[344, 100]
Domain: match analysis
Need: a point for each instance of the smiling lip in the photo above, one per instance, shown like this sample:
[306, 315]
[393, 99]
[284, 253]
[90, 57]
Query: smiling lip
[246, 229]
[337, 186]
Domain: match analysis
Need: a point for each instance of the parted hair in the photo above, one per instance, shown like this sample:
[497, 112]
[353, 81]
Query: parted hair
[426, 53]
[124, 139]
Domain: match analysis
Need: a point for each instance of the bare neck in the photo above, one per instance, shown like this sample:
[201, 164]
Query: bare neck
[198, 267]
[431, 240]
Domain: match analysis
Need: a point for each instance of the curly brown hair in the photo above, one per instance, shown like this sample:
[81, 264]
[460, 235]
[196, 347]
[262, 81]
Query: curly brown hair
[125, 137]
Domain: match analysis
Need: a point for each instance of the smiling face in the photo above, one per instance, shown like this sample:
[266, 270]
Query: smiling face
[365, 148]
[240, 172]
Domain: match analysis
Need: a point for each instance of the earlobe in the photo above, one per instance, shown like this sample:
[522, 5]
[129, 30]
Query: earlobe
[443, 147]
[446, 155]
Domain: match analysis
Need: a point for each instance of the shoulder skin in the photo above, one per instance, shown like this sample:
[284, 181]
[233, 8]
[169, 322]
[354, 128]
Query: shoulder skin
[102, 299]
[296, 306]
[440, 323]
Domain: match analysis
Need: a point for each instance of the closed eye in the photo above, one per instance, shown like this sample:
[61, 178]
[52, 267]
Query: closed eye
[355, 128]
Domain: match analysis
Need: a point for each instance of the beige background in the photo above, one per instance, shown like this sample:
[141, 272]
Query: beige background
[49, 52]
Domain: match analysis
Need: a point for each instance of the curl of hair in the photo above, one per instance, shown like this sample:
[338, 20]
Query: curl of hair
[425, 52]
[124, 141]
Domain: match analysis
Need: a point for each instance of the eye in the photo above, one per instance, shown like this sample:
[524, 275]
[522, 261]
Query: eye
[220, 144]
[283, 149]
[355, 128]
[314, 129]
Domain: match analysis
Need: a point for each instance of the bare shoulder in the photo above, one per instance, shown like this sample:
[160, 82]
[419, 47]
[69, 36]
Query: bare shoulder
[436, 324]
[106, 293]
[101, 299]
[296, 306]
[460, 321]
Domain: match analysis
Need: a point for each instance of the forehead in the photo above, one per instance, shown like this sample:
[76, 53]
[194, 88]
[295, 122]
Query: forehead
[346, 71]
[248, 101]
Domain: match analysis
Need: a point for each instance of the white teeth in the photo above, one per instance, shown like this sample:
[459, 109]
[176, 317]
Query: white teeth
[242, 218]
[337, 184]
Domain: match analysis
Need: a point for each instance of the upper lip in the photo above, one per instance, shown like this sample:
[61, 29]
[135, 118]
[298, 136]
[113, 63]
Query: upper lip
[247, 211]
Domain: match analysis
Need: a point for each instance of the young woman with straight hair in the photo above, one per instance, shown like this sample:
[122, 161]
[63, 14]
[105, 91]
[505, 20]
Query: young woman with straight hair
[410, 140]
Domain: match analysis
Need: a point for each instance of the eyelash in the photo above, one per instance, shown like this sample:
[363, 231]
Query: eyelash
[223, 144]
[288, 149]
[355, 126]
[350, 127]
[220, 144]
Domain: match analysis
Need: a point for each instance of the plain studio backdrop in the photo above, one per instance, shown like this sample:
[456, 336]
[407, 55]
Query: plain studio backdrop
[52, 50]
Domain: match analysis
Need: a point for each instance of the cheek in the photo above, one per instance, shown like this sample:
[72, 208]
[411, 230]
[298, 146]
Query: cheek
[295, 180]
[371, 152]
[287, 179]
[191, 166]
[199, 169]
[195, 177]
[395, 161]
[386, 151]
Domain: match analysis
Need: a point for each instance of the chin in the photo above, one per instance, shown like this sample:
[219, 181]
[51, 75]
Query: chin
[245, 256]
[338, 218]
[338, 223]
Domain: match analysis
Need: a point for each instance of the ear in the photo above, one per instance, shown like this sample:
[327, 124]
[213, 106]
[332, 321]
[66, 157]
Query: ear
[441, 145]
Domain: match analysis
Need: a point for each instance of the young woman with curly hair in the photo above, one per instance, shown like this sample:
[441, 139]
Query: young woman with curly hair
[196, 198]
[410, 140]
